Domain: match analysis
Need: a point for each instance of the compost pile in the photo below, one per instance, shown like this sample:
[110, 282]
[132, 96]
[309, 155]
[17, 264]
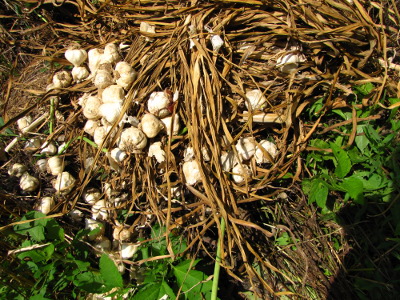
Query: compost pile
[234, 79]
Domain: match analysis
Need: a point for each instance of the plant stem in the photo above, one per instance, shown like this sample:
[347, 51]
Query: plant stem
[217, 265]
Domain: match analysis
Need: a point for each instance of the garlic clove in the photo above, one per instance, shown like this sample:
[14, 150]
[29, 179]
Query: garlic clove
[118, 155]
[156, 151]
[64, 183]
[113, 94]
[191, 171]
[255, 100]
[33, 144]
[23, 123]
[55, 165]
[49, 148]
[103, 244]
[102, 79]
[147, 28]
[62, 79]
[240, 173]
[217, 42]
[128, 250]
[188, 154]
[246, 147]
[168, 124]
[122, 233]
[111, 54]
[151, 125]
[111, 111]
[94, 57]
[28, 183]
[132, 139]
[124, 74]
[76, 56]
[100, 134]
[17, 170]
[91, 108]
[228, 161]
[76, 215]
[41, 164]
[99, 210]
[94, 225]
[91, 196]
[158, 104]
[46, 205]
[290, 62]
[79, 73]
[268, 147]
[90, 127]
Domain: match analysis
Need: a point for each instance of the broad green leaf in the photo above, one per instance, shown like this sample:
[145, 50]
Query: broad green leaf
[372, 134]
[191, 279]
[148, 292]
[109, 272]
[354, 187]
[90, 282]
[364, 89]
[318, 192]
[343, 163]
[361, 140]
[166, 290]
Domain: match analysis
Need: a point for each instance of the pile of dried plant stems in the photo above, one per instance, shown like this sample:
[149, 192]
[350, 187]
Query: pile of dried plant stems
[345, 45]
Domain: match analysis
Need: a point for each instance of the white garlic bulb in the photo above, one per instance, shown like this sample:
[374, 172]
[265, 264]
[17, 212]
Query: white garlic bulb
[132, 139]
[99, 210]
[191, 171]
[151, 125]
[269, 147]
[94, 59]
[246, 147]
[28, 183]
[102, 79]
[290, 62]
[124, 74]
[64, 183]
[228, 160]
[111, 54]
[168, 124]
[147, 28]
[49, 148]
[17, 170]
[158, 104]
[46, 204]
[91, 108]
[93, 225]
[118, 155]
[240, 173]
[113, 94]
[41, 164]
[91, 196]
[111, 111]
[188, 154]
[76, 215]
[128, 250]
[217, 42]
[255, 100]
[156, 151]
[79, 73]
[100, 134]
[103, 245]
[62, 79]
[55, 165]
[23, 123]
[90, 127]
[76, 56]
[122, 233]
[33, 144]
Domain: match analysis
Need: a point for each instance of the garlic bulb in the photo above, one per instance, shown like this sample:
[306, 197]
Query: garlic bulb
[91, 108]
[111, 111]
[268, 147]
[99, 210]
[94, 57]
[217, 42]
[188, 154]
[104, 244]
[113, 94]
[246, 147]
[151, 125]
[228, 161]
[111, 54]
[23, 123]
[132, 139]
[61, 79]
[90, 127]
[76, 215]
[168, 124]
[28, 183]
[93, 225]
[79, 73]
[100, 134]
[76, 56]
[124, 74]
[102, 79]
[41, 164]
[122, 233]
[64, 183]
[91, 196]
[240, 173]
[118, 155]
[255, 100]
[156, 151]
[49, 148]
[290, 62]
[46, 205]
[33, 144]
[55, 165]
[17, 170]
[191, 171]
[147, 28]
[128, 250]
[158, 104]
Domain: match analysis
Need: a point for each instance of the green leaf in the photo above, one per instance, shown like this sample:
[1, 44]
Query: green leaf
[109, 272]
[354, 187]
[90, 282]
[191, 279]
[148, 292]
[343, 162]
[166, 290]
[318, 192]
[361, 140]
[364, 89]
[372, 134]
